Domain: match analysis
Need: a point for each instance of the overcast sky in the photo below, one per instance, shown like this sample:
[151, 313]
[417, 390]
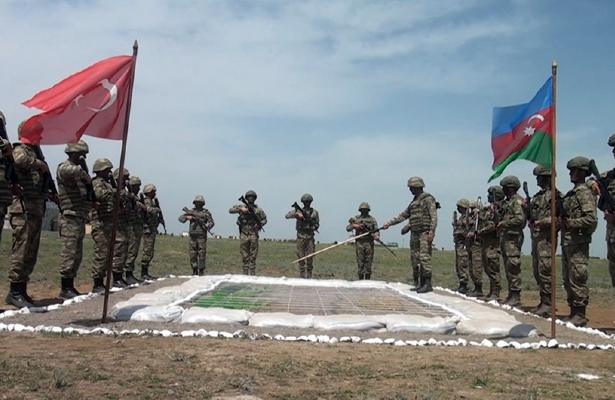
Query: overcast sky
[344, 100]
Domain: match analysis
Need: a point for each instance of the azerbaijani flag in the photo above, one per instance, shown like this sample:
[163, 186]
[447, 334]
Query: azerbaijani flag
[524, 131]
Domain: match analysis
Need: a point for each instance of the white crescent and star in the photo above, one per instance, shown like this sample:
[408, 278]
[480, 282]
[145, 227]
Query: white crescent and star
[529, 130]
[112, 96]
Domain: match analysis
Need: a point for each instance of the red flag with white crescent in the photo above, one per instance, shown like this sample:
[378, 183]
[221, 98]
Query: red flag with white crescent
[91, 102]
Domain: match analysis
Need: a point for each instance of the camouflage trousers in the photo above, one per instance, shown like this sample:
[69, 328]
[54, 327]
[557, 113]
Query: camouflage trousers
[120, 248]
[198, 252]
[575, 258]
[26, 240]
[510, 246]
[101, 234]
[420, 255]
[476, 263]
[2, 216]
[248, 247]
[149, 242]
[305, 246]
[610, 250]
[365, 257]
[72, 232]
[135, 232]
[490, 252]
[541, 265]
[462, 263]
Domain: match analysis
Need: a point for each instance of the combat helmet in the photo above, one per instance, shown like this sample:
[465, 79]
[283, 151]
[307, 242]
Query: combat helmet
[539, 170]
[2, 118]
[496, 191]
[79, 147]
[102, 164]
[134, 181]
[149, 188]
[416, 182]
[463, 203]
[116, 173]
[198, 199]
[364, 206]
[579, 162]
[250, 193]
[307, 198]
[510, 181]
[612, 140]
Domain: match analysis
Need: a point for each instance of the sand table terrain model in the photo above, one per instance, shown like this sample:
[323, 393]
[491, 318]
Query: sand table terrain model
[318, 304]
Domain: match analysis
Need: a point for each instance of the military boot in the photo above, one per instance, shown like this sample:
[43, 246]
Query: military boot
[302, 274]
[426, 286]
[246, 270]
[543, 309]
[131, 279]
[578, 316]
[463, 288]
[513, 299]
[368, 276]
[98, 286]
[417, 283]
[308, 273]
[17, 296]
[477, 291]
[195, 271]
[145, 274]
[118, 281]
[201, 271]
[68, 291]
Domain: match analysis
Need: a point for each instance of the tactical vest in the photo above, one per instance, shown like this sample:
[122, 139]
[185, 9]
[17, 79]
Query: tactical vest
[72, 194]
[306, 227]
[369, 222]
[248, 223]
[30, 179]
[540, 208]
[420, 219]
[5, 193]
[487, 222]
[199, 228]
[573, 209]
[104, 210]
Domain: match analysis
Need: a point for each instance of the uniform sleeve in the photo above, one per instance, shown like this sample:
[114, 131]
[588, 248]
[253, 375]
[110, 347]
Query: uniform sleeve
[210, 220]
[349, 227]
[182, 218]
[70, 173]
[488, 223]
[433, 213]
[291, 214]
[515, 219]
[404, 215]
[262, 217]
[23, 160]
[588, 209]
[103, 192]
[235, 209]
[315, 220]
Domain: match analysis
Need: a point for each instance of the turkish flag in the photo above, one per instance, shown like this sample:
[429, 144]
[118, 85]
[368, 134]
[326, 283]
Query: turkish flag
[91, 102]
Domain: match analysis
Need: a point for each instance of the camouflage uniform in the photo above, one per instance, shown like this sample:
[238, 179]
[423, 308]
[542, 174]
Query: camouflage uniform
[580, 220]
[364, 246]
[249, 227]
[473, 246]
[124, 221]
[101, 217]
[200, 224]
[460, 232]
[5, 185]
[422, 218]
[490, 243]
[135, 230]
[512, 223]
[152, 214]
[306, 227]
[610, 227]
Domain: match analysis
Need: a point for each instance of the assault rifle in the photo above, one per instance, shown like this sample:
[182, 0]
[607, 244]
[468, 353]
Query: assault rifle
[476, 218]
[605, 202]
[198, 219]
[252, 212]
[89, 188]
[307, 217]
[49, 186]
[11, 176]
[160, 215]
[365, 228]
[528, 211]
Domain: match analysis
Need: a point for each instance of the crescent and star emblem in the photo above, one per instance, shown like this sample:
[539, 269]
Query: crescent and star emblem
[529, 130]
[112, 96]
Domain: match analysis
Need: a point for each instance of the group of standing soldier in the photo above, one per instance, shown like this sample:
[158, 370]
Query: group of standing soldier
[25, 186]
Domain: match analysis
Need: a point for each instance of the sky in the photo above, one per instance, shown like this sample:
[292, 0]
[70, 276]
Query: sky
[345, 99]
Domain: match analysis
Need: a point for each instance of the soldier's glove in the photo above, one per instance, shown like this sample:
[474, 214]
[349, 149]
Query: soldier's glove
[299, 216]
[405, 229]
[386, 226]
[609, 217]
[16, 190]
[244, 210]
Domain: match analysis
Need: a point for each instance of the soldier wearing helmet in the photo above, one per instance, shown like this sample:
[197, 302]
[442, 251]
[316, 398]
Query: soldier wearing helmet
[102, 223]
[136, 218]
[511, 227]
[473, 246]
[8, 179]
[307, 224]
[610, 216]
[153, 218]
[201, 222]
[422, 218]
[577, 220]
[364, 246]
[74, 185]
[460, 231]
[122, 234]
[250, 220]
[539, 217]
[489, 217]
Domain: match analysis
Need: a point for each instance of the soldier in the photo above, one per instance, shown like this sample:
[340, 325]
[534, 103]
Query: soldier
[124, 214]
[539, 217]
[250, 220]
[511, 230]
[473, 247]
[102, 223]
[153, 218]
[201, 222]
[307, 223]
[364, 246]
[577, 221]
[490, 241]
[8, 180]
[135, 228]
[460, 232]
[422, 217]
[32, 174]
[73, 183]
[610, 219]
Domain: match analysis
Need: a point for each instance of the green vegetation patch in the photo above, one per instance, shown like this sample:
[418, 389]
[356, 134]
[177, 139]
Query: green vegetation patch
[234, 296]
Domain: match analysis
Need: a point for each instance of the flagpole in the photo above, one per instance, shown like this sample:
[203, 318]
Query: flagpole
[120, 185]
[553, 197]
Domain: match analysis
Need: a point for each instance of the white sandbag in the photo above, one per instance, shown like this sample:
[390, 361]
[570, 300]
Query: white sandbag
[215, 315]
[486, 327]
[268, 320]
[348, 322]
[123, 311]
[419, 324]
[158, 314]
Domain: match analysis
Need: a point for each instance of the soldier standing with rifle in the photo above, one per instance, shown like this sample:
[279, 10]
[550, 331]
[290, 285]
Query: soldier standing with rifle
[307, 224]
[607, 185]
[201, 222]
[153, 218]
[474, 249]
[460, 232]
[364, 246]
[120, 247]
[490, 240]
[135, 229]
[250, 220]
[9, 185]
[76, 202]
